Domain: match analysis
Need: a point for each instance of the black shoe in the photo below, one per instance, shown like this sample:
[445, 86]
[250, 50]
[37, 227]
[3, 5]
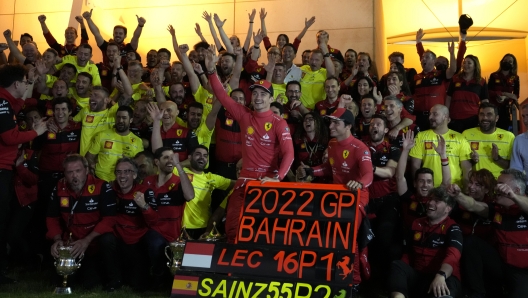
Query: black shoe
[4, 280]
[113, 286]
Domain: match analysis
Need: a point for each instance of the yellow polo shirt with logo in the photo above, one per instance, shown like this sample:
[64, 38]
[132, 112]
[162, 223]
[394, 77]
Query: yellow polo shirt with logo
[83, 102]
[109, 146]
[482, 144]
[197, 211]
[457, 149]
[279, 93]
[89, 68]
[312, 86]
[94, 122]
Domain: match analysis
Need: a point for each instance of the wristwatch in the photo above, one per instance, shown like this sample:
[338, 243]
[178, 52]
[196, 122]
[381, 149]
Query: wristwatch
[442, 273]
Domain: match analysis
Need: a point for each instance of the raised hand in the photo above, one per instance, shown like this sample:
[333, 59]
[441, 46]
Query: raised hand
[87, 15]
[441, 148]
[42, 18]
[257, 38]
[208, 17]
[211, 58]
[408, 140]
[474, 156]
[116, 61]
[139, 198]
[7, 33]
[453, 190]
[184, 48]
[164, 64]
[171, 30]
[197, 67]
[377, 95]
[309, 23]
[451, 47]
[393, 90]
[198, 30]
[505, 190]
[419, 35]
[494, 152]
[141, 21]
[219, 23]
[238, 51]
[155, 113]
[79, 19]
[41, 67]
[3, 46]
[344, 101]
[252, 15]
[263, 13]
[271, 63]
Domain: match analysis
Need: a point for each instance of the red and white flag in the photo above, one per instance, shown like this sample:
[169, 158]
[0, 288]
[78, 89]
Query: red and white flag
[198, 254]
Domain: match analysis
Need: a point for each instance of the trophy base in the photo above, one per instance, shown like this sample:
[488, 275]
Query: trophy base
[63, 291]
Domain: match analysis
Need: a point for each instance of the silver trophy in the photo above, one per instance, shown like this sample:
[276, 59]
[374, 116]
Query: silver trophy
[177, 247]
[214, 235]
[66, 265]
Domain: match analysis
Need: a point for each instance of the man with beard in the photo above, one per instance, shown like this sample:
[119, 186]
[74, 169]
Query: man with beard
[81, 61]
[105, 69]
[70, 34]
[306, 57]
[430, 85]
[133, 75]
[46, 82]
[202, 129]
[170, 134]
[139, 126]
[431, 265]
[81, 92]
[135, 214]
[294, 110]
[349, 64]
[85, 207]
[109, 145]
[119, 35]
[423, 155]
[367, 109]
[314, 75]
[488, 267]
[393, 110]
[349, 163]
[146, 166]
[266, 138]
[491, 146]
[197, 212]
[519, 155]
[293, 72]
[172, 189]
[383, 206]
[29, 54]
[328, 106]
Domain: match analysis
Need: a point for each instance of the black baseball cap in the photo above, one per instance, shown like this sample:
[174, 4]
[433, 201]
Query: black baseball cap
[342, 114]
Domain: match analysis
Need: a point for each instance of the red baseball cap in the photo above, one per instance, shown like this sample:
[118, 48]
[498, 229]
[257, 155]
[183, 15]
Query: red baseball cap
[266, 85]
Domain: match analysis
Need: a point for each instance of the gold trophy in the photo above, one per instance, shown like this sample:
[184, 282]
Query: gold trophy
[214, 235]
[177, 247]
[66, 265]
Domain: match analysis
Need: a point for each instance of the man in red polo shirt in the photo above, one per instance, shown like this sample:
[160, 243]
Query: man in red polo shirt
[265, 138]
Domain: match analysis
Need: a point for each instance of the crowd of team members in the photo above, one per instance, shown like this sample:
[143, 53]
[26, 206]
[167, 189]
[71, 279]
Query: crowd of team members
[442, 177]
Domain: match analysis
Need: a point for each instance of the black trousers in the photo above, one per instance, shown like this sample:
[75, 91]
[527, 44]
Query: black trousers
[133, 259]
[18, 233]
[227, 170]
[411, 283]
[6, 191]
[485, 272]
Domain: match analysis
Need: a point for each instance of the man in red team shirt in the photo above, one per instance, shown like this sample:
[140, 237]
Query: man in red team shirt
[349, 163]
[265, 137]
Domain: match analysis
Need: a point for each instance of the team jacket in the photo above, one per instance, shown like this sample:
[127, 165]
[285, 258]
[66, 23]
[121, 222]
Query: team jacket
[54, 147]
[227, 136]
[348, 159]
[170, 204]
[430, 246]
[10, 135]
[466, 96]
[132, 221]
[63, 50]
[472, 224]
[511, 234]
[26, 178]
[381, 154]
[499, 83]
[413, 207]
[180, 139]
[265, 137]
[93, 210]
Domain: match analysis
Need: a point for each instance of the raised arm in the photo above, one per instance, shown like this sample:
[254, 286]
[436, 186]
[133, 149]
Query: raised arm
[134, 42]
[93, 28]
[247, 41]
[234, 81]
[446, 170]
[329, 65]
[198, 31]
[505, 190]
[209, 18]
[210, 121]
[265, 38]
[126, 98]
[3, 58]
[225, 39]
[450, 72]
[156, 114]
[408, 143]
[42, 20]
[468, 202]
[257, 40]
[84, 34]
[419, 46]
[13, 48]
[307, 24]
[187, 188]
[42, 71]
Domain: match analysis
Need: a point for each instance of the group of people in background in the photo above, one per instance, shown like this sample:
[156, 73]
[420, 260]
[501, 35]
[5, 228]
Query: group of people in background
[115, 157]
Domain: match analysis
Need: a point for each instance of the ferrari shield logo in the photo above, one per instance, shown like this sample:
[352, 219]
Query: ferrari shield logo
[91, 188]
[345, 153]
[65, 202]
[171, 186]
[474, 145]
[190, 176]
[267, 126]
[497, 218]
[417, 236]
[229, 122]
[413, 206]
[500, 136]
[179, 132]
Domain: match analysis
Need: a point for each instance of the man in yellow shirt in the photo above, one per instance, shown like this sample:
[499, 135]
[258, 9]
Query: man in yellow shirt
[197, 211]
[110, 145]
[81, 61]
[491, 146]
[457, 149]
[81, 91]
[314, 75]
